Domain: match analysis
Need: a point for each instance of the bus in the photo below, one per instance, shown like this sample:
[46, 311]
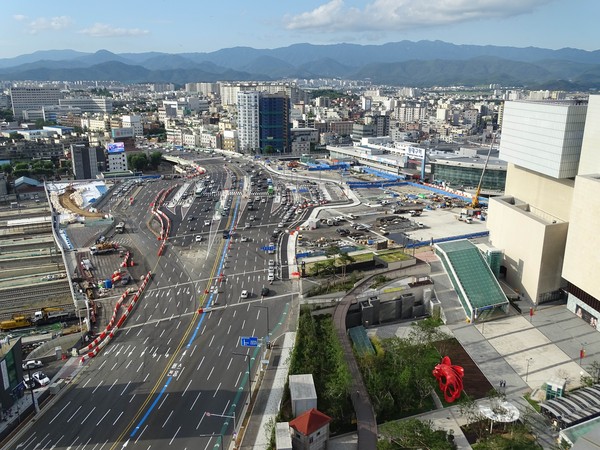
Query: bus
[120, 228]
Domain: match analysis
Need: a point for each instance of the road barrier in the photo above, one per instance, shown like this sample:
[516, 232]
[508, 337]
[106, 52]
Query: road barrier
[109, 333]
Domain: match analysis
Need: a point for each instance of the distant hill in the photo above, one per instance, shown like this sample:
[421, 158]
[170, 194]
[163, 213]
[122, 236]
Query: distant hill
[422, 63]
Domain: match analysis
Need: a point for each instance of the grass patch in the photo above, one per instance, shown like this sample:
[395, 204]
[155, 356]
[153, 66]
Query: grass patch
[533, 403]
[391, 256]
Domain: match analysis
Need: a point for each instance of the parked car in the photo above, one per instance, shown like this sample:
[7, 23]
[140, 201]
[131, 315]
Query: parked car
[41, 378]
[244, 294]
[264, 291]
[198, 238]
[32, 364]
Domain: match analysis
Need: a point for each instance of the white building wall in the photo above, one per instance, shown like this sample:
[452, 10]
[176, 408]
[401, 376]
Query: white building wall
[117, 162]
[547, 195]
[582, 254]
[589, 161]
[533, 247]
[543, 136]
[134, 122]
[248, 130]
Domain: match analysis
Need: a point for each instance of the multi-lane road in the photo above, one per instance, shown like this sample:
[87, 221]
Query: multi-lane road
[176, 376]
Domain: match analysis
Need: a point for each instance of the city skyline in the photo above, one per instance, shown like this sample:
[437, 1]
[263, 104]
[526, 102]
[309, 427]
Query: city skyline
[199, 27]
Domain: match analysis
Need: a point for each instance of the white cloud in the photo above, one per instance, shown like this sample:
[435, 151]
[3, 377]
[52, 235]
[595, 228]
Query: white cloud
[48, 23]
[398, 15]
[104, 30]
[19, 17]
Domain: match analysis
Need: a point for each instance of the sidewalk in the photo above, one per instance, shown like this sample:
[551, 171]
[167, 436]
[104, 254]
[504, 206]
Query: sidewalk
[20, 411]
[268, 399]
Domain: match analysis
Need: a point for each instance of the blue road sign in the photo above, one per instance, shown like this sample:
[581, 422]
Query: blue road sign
[268, 248]
[303, 255]
[249, 341]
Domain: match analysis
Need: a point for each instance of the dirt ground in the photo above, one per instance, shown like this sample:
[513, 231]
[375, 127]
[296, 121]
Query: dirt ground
[476, 385]
[67, 203]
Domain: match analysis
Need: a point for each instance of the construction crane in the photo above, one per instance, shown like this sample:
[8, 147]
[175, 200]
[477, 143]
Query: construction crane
[475, 199]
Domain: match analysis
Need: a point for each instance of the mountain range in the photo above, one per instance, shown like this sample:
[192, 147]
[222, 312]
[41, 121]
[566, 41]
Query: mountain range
[423, 63]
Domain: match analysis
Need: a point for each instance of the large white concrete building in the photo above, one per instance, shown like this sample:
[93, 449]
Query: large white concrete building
[33, 98]
[99, 105]
[548, 220]
[248, 121]
[135, 122]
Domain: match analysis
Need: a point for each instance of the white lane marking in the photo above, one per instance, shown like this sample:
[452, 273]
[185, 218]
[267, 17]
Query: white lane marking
[197, 397]
[186, 388]
[58, 413]
[168, 417]
[96, 388]
[138, 438]
[105, 414]
[238, 379]
[230, 361]
[112, 385]
[117, 419]
[125, 388]
[164, 399]
[217, 390]
[211, 371]
[174, 436]
[89, 414]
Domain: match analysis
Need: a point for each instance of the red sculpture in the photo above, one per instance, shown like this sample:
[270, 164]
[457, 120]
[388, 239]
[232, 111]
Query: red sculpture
[449, 378]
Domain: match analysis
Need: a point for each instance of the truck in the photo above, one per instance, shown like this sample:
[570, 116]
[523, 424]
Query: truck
[51, 315]
[45, 316]
[103, 248]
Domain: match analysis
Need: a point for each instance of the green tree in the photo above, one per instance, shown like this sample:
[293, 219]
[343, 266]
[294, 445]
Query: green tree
[6, 168]
[137, 161]
[268, 149]
[155, 158]
[414, 433]
[6, 115]
[16, 136]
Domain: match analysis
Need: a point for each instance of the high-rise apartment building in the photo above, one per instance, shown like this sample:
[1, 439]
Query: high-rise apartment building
[34, 98]
[248, 121]
[85, 161]
[274, 122]
[547, 221]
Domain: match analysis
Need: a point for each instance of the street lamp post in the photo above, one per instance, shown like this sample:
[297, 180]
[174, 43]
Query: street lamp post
[218, 435]
[247, 357]
[527, 371]
[208, 414]
[31, 383]
[268, 322]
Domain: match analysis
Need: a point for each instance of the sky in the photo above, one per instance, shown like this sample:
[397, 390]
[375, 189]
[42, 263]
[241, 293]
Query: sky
[179, 26]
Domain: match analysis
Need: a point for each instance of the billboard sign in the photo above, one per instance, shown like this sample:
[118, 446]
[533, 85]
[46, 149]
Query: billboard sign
[116, 147]
[122, 132]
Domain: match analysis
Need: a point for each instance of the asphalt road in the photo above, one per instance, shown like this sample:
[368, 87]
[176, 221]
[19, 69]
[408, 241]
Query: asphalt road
[173, 377]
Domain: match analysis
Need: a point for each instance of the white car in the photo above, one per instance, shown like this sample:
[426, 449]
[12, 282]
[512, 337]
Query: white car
[41, 378]
[32, 364]
[244, 238]
[244, 294]
[198, 238]
[29, 384]
[207, 223]
[271, 277]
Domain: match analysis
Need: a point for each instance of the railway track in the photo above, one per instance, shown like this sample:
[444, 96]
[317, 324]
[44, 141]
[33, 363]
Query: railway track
[18, 300]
